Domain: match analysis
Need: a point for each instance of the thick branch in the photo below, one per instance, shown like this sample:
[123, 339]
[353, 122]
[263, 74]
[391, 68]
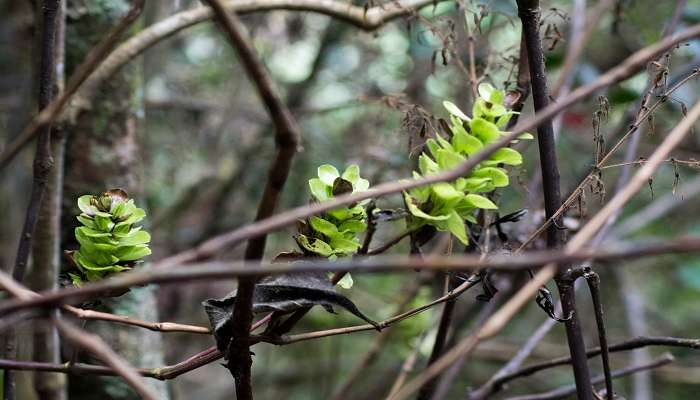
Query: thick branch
[287, 139]
[529, 12]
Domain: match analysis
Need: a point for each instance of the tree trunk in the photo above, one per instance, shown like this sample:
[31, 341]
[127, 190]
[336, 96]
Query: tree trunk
[102, 152]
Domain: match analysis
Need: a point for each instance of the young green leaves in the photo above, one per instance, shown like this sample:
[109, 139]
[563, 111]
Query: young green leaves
[109, 241]
[335, 233]
[447, 205]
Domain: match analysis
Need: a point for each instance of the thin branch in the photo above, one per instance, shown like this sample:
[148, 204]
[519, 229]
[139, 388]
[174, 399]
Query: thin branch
[593, 280]
[82, 72]
[570, 390]
[126, 320]
[43, 163]
[443, 330]
[289, 339]
[233, 269]
[627, 345]
[624, 70]
[95, 345]
[575, 194]
[406, 368]
[389, 244]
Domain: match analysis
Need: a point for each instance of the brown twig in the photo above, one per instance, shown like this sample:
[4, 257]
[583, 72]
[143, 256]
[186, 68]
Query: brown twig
[126, 320]
[389, 244]
[288, 339]
[566, 391]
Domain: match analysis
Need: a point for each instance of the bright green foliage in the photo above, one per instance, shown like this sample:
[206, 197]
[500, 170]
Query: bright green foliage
[109, 241]
[447, 205]
[335, 233]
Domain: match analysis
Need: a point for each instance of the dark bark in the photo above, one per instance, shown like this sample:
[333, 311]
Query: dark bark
[46, 251]
[529, 13]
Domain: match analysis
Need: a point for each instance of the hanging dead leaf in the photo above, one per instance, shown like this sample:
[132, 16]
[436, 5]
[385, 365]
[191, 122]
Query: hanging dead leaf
[281, 293]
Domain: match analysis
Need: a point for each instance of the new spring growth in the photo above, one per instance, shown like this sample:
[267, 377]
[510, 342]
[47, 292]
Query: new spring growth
[447, 205]
[335, 233]
[109, 240]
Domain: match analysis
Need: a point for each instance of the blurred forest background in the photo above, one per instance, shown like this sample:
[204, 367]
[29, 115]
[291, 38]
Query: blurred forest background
[182, 129]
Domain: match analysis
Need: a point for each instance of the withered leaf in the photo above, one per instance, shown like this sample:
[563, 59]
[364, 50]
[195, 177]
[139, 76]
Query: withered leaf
[282, 293]
[341, 186]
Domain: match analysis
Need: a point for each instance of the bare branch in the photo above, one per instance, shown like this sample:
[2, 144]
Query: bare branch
[126, 320]
[287, 139]
[627, 345]
[529, 13]
[569, 390]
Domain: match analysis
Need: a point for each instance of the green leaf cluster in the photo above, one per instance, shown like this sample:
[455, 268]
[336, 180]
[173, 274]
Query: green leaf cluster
[335, 233]
[446, 205]
[109, 241]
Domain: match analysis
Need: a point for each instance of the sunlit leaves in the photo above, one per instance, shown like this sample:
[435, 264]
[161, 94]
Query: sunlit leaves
[447, 205]
[335, 233]
[109, 243]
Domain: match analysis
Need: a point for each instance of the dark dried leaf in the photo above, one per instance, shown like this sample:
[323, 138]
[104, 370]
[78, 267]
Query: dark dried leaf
[341, 186]
[281, 293]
